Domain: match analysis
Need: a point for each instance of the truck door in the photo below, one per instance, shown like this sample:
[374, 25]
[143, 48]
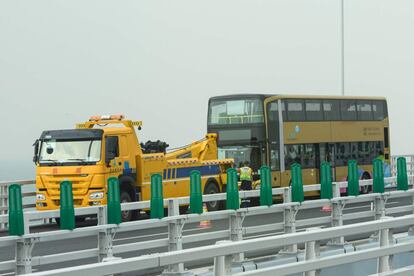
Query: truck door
[112, 159]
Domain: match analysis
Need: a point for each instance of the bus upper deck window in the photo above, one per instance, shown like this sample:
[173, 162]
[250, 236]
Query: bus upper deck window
[364, 109]
[295, 110]
[331, 110]
[348, 110]
[313, 110]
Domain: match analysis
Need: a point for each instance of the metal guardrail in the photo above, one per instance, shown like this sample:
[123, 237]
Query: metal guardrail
[409, 161]
[223, 252]
[35, 216]
[23, 261]
[29, 196]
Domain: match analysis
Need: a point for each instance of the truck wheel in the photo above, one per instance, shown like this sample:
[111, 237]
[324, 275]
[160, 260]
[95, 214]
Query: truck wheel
[127, 215]
[366, 189]
[212, 188]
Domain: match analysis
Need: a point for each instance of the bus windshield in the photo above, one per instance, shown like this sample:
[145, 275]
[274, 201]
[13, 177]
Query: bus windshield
[241, 154]
[240, 111]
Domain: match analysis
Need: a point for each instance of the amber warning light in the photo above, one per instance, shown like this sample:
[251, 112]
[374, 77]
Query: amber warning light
[107, 117]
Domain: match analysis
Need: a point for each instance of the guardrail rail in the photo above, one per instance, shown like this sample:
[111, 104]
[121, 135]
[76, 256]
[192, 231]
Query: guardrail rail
[174, 223]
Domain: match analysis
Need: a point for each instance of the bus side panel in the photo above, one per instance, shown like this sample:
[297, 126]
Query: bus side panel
[276, 179]
[341, 173]
[357, 131]
[285, 178]
[309, 176]
[306, 132]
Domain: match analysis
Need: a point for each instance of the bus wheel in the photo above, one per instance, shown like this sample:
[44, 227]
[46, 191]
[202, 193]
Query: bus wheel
[212, 188]
[366, 189]
[129, 215]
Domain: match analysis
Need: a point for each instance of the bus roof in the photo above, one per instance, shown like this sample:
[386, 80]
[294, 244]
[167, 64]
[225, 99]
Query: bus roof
[242, 96]
[270, 97]
[324, 97]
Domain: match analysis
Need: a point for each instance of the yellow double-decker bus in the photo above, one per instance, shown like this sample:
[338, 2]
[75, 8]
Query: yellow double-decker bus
[279, 130]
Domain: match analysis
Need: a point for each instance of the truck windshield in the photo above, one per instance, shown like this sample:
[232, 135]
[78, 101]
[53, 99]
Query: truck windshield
[55, 152]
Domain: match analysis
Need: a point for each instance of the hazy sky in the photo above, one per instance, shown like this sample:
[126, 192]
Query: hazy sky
[160, 61]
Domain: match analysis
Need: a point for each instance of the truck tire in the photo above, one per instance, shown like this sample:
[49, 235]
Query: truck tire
[127, 194]
[127, 215]
[212, 188]
[366, 189]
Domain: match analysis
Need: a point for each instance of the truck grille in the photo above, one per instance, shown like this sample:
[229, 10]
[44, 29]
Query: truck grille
[80, 184]
[76, 202]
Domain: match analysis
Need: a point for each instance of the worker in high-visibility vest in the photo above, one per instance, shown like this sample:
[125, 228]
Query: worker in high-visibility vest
[246, 182]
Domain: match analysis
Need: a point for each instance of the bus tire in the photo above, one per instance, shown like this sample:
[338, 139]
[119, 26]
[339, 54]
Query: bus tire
[212, 188]
[127, 194]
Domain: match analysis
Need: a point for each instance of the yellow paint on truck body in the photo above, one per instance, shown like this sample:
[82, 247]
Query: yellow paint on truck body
[131, 164]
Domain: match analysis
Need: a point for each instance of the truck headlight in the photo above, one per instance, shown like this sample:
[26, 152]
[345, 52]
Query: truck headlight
[40, 197]
[96, 195]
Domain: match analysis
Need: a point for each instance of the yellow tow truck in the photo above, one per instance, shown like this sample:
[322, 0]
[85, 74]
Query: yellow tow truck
[107, 146]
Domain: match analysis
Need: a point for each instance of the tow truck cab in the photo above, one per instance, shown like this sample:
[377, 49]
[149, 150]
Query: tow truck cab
[86, 157]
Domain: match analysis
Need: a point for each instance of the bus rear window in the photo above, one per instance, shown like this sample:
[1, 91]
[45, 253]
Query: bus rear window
[231, 112]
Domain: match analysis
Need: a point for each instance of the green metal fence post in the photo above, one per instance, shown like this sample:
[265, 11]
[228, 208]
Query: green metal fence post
[67, 210]
[196, 197]
[353, 179]
[297, 183]
[326, 181]
[232, 190]
[378, 176]
[402, 178]
[114, 202]
[157, 197]
[265, 187]
[16, 220]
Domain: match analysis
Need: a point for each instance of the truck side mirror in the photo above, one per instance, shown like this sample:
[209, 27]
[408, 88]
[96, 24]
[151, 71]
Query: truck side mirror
[36, 151]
